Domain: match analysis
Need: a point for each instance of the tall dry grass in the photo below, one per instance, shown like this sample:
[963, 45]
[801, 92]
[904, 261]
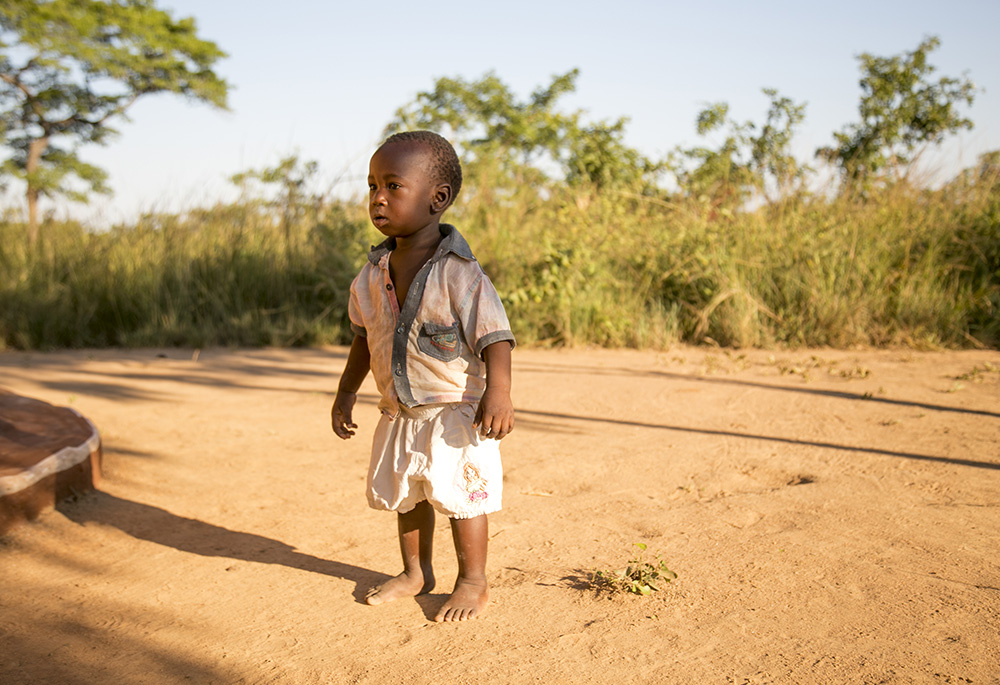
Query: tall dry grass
[223, 276]
[903, 266]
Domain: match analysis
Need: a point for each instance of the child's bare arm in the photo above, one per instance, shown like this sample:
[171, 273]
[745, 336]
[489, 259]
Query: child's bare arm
[495, 416]
[357, 367]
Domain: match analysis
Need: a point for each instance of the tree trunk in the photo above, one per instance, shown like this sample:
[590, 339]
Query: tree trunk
[35, 150]
[32, 196]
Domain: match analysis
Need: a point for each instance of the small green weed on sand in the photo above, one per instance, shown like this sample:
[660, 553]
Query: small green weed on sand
[640, 577]
[978, 372]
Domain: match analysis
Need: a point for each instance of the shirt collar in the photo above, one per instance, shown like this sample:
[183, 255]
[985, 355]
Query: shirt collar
[451, 241]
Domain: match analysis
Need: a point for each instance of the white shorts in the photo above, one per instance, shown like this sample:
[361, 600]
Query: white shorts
[433, 452]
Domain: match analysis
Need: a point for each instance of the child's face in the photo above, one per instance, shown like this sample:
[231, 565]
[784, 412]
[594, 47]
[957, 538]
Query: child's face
[403, 197]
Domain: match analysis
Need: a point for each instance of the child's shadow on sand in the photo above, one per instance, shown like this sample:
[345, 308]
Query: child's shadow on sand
[146, 522]
[431, 603]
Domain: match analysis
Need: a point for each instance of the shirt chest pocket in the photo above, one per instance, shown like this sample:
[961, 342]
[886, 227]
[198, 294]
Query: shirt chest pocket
[440, 341]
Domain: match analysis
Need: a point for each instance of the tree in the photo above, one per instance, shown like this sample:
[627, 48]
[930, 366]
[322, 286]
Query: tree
[525, 141]
[770, 151]
[291, 176]
[69, 68]
[598, 155]
[902, 110]
[750, 159]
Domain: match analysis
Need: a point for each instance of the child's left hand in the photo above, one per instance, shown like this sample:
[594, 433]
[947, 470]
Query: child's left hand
[495, 415]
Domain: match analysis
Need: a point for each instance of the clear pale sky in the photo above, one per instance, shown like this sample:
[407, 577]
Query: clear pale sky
[323, 78]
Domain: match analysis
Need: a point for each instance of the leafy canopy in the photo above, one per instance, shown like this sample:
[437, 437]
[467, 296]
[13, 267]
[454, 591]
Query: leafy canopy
[524, 140]
[902, 110]
[750, 159]
[70, 67]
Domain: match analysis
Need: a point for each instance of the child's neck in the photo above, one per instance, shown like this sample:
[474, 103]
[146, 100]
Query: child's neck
[427, 237]
[409, 256]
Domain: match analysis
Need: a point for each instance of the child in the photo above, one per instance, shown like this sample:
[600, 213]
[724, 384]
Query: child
[431, 327]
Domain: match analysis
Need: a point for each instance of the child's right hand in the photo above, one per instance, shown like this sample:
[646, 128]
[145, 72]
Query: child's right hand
[340, 414]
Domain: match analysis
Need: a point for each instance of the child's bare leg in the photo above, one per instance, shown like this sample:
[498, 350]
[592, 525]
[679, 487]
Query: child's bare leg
[471, 592]
[416, 541]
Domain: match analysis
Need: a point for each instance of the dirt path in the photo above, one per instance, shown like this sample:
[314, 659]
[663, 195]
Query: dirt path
[832, 516]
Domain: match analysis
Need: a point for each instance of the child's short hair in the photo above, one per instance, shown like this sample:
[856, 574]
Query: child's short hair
[445, 162]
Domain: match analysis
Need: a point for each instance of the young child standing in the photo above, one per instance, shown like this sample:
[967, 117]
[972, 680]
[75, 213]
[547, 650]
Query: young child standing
[430, 326]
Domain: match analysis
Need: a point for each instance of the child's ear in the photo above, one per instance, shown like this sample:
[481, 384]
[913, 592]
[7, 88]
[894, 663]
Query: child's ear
[442, 198]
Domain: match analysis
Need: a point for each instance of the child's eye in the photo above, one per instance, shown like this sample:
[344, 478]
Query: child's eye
[393, 186]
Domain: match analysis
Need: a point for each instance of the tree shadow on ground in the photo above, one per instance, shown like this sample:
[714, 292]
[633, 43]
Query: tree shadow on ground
[49, 657]
[837, 394]
[768, 438]
[153, 524]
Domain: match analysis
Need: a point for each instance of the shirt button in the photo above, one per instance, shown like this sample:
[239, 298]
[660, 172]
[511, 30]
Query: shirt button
[388, 286]
[399, 372]
[399, 330]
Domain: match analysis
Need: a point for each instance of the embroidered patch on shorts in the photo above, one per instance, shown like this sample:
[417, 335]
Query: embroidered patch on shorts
[475, 484]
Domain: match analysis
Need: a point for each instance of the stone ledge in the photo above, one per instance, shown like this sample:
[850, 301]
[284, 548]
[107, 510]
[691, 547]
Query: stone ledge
[47, 454]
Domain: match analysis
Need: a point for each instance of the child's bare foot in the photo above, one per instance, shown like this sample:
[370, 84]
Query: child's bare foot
[467, 601]
[403, 585]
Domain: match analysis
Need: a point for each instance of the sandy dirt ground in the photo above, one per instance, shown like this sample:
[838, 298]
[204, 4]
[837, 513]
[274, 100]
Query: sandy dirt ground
[833, 517]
